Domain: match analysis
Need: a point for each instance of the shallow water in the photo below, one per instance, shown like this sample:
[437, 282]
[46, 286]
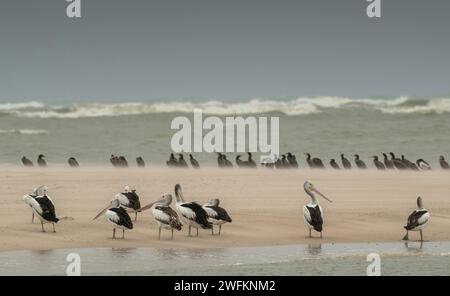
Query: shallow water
[432, 258]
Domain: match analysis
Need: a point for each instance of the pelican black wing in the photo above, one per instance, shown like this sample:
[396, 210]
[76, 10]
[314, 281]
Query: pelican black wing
[48, 209]
[221, 214]
[413, 219]
[201, 217]
[135, 204]
[316, 218]
[124, 218]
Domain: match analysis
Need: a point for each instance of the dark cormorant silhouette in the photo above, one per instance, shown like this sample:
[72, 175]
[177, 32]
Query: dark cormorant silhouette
[284, 161]
[378, 164]
[220, 160]
[334, 164]
[398, 163]
[41, 161]
[240, 163]
[251, 162]
[388, 163]
[140, 162]
[26, 162]
[443, 163]
[226, 163]
[314, 163]
[345, 162]
[292, 160]
[359, 163]
[194, 162]
[181, 162]
[123, 161]
[410, 165]
[172, 162]
[73, 162]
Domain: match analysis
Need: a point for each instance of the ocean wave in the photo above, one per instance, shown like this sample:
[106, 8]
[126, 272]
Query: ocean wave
[24, 131]
[299, 106]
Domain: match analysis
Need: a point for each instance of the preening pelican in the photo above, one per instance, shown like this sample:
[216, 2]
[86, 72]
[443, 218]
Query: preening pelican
[216, 214]
[42, 206]
[313, 212]
[164, 215]
[117, 216]
[129, 199]
[417, 220]
[191, 212]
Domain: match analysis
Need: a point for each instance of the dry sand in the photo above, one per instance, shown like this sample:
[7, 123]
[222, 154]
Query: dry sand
[266, 206]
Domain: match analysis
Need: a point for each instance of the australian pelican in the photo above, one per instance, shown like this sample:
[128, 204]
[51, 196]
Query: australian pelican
[313, 212]
[42, 206]
[129, 200]
[164, 215]
[216, 214]
[417, 220]
[117, 216]
[191, 212]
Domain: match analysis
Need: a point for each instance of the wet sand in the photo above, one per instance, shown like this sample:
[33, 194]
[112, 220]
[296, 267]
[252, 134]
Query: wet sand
[266, 206]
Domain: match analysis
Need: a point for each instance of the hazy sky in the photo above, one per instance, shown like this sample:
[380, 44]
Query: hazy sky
[228, 49]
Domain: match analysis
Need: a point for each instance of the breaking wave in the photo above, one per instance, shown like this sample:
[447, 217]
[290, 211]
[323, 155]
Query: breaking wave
[24, 131]
[299, 106]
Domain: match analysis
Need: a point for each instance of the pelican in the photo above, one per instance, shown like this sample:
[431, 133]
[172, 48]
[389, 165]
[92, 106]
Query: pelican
[345, 162]
[417, 220]
[313, 212]
[164, 215]
[378, 164]
[191, 212]
[423, 165]
[42, 206]
[117, 216]
[41, 160]
[359, 163]
[216, 214]
[129, 200]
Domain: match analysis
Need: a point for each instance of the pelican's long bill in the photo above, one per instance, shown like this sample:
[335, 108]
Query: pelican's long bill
[144, 208]
[103, 211]
[319, 193]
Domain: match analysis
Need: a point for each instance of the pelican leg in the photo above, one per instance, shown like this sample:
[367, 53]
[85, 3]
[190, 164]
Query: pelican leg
[189, 230]
[421, 235]
[42, 226]
[32, 217]
[321, 234]
[123, 233]
[197, 231]
[212, 230]
[114, 233]
[159, 233]
[135, 217]
[406, 237]
[310, 233]
[54, 227]
[172, 233]
[220, 229]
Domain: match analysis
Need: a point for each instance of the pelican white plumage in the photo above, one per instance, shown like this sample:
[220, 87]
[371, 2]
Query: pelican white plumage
[42, 206]
[117, 216]
[417, 220]
[312, 212]
[191, 212]
[164, 215]
[216, 214]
